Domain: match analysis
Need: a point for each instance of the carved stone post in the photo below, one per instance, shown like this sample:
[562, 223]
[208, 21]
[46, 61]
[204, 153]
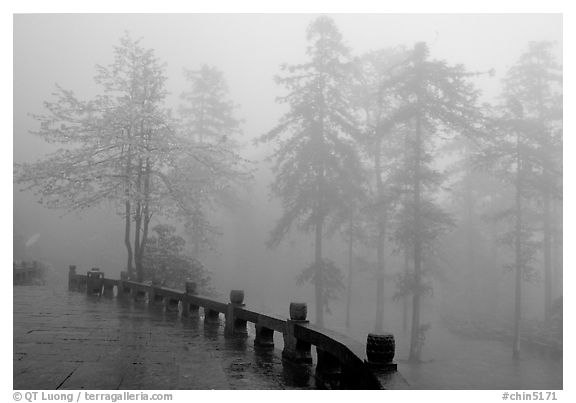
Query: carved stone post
[328, 369]
[72, 284]
[154, 297]
[211, 317]
[380, 350]
[171, 304]
[234, 325]
[189, 309]
[94, 281]
[122, 289]
[264, 337]
[296, 350]
[108, 289]
[139, 295]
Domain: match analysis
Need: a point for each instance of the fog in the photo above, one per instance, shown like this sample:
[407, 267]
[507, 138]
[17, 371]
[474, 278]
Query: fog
[249, 49]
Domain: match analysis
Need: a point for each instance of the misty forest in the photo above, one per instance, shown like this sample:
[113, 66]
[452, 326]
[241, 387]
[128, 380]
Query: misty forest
[389, 192]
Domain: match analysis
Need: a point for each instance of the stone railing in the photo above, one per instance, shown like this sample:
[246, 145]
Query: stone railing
[27, 273]
[341, 362]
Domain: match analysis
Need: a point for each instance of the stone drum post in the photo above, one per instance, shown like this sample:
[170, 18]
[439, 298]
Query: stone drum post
[72, 284]
[264, 337]
[108, 288]
[328, 370]
[380, 350]
[296, 350]
[211, 317]
[155, 298]
[188, 308]
[94, 281]
[171, 304]
[122, 289]
[234, 325]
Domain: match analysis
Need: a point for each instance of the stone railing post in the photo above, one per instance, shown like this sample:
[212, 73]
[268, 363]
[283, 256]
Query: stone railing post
[171, 304]
[94, 281]
[211, 317]
[108, 289]
[122, 289]
[234, 325]
[188, 309]
[328, 369]
[153, 297]
[380, 350]
[138, 294]
[264, 337]
[72, 278]
[296, 350]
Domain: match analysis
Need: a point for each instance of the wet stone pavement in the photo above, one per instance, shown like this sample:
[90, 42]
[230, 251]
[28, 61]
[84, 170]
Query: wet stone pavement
[68, 340]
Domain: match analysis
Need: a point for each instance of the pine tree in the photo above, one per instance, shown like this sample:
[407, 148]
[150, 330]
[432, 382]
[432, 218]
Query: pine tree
[121, 149]
[380, 144]
[434, 100]
[315, 159]
[536, 83]
[207, 118]
[524, 151]
[507, 153]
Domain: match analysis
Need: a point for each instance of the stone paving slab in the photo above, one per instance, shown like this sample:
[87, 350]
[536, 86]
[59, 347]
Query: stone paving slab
[49, 376]
[68, 340]
[95, 375]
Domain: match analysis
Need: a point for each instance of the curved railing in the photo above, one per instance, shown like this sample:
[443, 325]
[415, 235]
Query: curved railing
[341, 361]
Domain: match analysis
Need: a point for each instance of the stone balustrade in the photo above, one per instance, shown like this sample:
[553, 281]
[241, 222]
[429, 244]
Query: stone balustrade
[341, 362]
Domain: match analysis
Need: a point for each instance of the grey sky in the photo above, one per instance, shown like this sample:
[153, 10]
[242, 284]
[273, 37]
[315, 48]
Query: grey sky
[248, 48]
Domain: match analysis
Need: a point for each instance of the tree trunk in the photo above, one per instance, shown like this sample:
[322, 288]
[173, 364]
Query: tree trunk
[318, 262]
[146, 215]
[547, 231]
[318, 281]
[557, 249]
[470, 245]
[380, 270]
[407, 254]
[138, 224]
[137, 255]
[415, 342]
[350, 257]
[127, 230]
[494, 302]
[405, 300]
[518, 254]
[547, 244]
[547, 258]
[197, 234]
[197, 238]
[128, 213]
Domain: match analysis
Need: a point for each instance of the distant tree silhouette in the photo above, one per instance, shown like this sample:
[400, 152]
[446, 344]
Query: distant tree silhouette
[122, 149]
[316, 162]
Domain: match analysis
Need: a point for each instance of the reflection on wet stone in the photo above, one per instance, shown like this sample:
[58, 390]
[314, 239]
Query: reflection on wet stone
[296, 375]
[124, 345]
